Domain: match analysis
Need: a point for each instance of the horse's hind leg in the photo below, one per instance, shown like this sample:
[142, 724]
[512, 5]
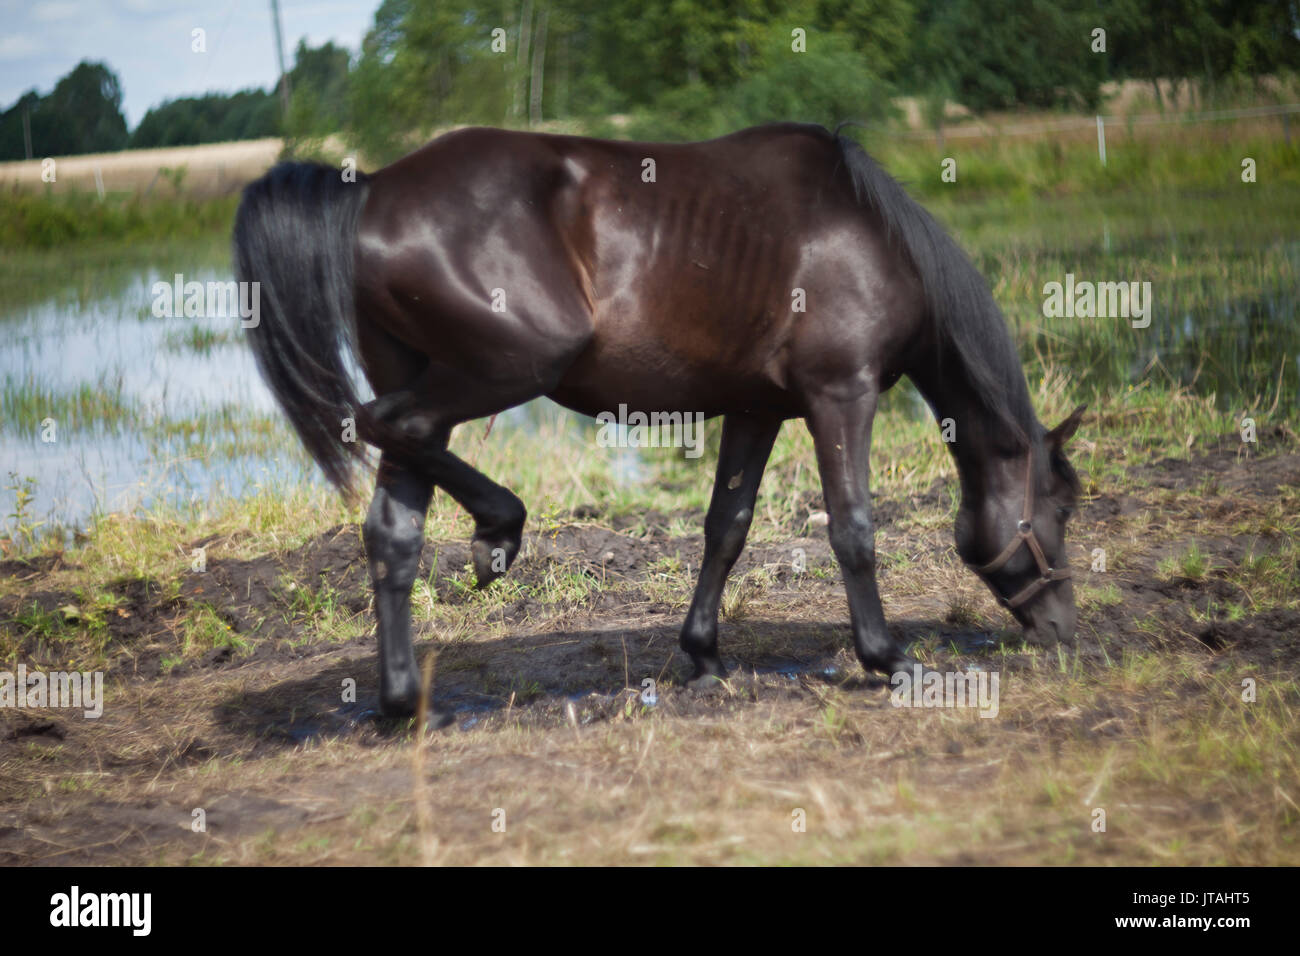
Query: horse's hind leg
[746, 444]
[498, 513]
[394, 535]
[841, 431]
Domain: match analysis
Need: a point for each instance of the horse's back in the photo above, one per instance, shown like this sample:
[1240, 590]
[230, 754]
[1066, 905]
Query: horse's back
[682, 272]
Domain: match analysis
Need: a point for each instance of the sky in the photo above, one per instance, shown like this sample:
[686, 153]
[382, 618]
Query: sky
[148, 43]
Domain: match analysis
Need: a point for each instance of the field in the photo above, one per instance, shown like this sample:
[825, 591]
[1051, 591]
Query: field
[1175, 712]
[211, 170]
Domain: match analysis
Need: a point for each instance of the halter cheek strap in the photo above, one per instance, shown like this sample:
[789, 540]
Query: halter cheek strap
[1025, 536]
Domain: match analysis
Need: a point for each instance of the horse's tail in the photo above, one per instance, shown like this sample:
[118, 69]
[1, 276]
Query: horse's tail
[294, 237]
[961, 307]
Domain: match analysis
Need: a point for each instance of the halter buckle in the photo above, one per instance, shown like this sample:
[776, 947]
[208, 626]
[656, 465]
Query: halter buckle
[1025, 537]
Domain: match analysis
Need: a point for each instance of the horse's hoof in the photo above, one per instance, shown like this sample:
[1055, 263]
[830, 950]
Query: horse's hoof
[492, 558]
[398, 709]
[399, 703]
[891, 667]
[708, 677]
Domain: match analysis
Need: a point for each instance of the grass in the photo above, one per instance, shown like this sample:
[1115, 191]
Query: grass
[204, 629]
[1124, 432]
[57, 220]
[32, 409]
[1141, 719]
[320, 611]
[76, 632]
[197, 338]
[92, 271]
[1140, 161]
[1185, 771]
[1191, 564]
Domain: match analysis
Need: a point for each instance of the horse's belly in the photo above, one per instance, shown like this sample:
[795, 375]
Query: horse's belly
[642, 366]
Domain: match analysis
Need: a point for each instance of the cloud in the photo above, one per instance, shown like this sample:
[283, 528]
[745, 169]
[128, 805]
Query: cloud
[20, 46]
[150, 6]
[56, 10]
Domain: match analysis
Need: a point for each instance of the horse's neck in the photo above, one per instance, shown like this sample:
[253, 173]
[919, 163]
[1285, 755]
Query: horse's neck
[974, 435]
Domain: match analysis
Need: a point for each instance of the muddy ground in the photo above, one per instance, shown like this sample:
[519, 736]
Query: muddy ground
[541, 684]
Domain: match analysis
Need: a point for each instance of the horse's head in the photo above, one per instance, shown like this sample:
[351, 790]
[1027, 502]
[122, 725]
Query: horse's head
[1013, 535]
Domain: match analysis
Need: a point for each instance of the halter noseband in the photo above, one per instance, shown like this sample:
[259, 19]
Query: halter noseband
[1025, 535]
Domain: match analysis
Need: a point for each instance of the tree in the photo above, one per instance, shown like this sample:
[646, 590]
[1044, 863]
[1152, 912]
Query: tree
[1009, 53]
[83, 114]
[1211, 39]
[427, 63]
[319, 84]
[215, 118]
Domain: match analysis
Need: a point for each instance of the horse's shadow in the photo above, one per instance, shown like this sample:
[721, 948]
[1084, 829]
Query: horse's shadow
[472, 679]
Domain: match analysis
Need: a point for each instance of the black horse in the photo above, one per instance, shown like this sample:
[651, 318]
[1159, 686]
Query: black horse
[771, 274]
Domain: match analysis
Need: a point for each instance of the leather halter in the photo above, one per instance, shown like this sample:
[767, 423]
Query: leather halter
[1025, 535]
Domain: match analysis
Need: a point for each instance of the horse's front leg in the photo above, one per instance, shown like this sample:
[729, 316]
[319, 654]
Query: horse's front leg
[841, 431]
[394, 536]
[746, 445]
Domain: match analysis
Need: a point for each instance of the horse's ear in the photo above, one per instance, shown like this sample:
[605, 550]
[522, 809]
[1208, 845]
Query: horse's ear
[1063, 432]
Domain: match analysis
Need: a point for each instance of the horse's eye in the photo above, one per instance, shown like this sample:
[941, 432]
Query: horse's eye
[1064, 513]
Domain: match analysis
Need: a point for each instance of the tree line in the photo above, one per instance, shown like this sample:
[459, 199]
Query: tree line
[684, 68]
[83, 113]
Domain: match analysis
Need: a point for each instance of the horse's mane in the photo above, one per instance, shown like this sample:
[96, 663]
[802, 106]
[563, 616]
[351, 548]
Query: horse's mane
[957, 297]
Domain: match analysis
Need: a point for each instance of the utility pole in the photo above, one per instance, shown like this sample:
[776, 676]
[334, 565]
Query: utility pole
[539, 71]
[279, 53]
[521, 59]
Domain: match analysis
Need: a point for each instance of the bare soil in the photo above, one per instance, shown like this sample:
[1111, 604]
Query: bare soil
[260, 737]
